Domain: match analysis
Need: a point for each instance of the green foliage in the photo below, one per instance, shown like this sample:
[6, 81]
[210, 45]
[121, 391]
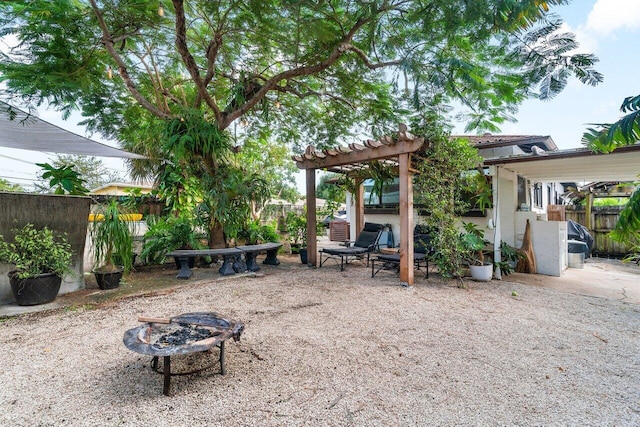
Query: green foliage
[167, 234]
[634, 255]
[627, 229]
[330, 190]
[318, 69]
[256, 233]
[64, 179]
[439, 188]
[92, 170]
[509, 258]
[472, 243]
[626, 131]
[610, 201]
[297, 228]
[478, 185]
[7, 186]
[37, 251]
[112, 238]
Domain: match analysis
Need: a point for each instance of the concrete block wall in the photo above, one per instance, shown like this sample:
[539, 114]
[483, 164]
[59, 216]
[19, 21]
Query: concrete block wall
[63, 214]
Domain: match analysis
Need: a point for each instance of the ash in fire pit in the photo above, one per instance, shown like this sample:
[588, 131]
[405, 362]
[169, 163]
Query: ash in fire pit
[183, 334]
[180, 334]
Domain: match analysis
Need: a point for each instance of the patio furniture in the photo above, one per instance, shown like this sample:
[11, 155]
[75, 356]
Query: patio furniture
[368, 241]
[422, 249]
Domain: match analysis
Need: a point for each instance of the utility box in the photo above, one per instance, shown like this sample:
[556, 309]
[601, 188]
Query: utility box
[339, 231]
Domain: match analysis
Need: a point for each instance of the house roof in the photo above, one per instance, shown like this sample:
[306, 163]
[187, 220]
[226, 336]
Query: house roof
[25, 131]
[525, 142]
[119, 187]
[578, 165]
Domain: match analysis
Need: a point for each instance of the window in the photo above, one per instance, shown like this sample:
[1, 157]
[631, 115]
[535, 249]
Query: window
[537, 195]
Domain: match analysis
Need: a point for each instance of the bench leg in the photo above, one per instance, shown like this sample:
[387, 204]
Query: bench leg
[227, 265]
[239, 265]
[185, 272]
[252, 265]
[271, 258]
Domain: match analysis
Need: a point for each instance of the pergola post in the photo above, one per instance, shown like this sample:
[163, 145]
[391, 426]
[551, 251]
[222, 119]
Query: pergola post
[406, 220]
[312, 238]
[359, 198]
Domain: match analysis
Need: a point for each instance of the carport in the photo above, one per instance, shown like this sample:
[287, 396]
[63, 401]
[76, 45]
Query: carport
[573, 165]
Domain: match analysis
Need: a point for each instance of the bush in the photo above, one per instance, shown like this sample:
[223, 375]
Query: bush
[168, 234]
[37, 251]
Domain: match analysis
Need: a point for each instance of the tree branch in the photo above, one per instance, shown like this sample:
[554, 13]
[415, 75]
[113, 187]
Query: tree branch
[190, 62]
[372, 66]
[342, 47]
[108, 42]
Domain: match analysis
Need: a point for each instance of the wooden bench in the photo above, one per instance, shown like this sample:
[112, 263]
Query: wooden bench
[232, 258]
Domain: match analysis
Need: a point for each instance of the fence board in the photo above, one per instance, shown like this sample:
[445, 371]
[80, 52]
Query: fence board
[604, 219]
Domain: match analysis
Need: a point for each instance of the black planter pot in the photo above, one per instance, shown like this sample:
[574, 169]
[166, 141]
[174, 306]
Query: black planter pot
[303, 255]
[35, 290]
[108, 280]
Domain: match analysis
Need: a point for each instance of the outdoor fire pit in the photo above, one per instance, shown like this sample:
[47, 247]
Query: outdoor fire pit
[179, 335]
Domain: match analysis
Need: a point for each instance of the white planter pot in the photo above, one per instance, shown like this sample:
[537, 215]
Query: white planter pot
[482, 273]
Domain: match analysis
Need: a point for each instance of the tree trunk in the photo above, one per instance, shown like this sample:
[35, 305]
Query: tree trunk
[216, 235]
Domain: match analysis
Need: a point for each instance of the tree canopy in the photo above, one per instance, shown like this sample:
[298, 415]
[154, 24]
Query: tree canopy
[175, 82]
[317, 68]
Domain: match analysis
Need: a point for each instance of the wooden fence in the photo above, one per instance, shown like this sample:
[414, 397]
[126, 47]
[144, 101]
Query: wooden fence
[603, 219]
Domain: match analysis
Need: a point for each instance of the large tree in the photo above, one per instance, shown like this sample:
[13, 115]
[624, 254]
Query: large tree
[172, 82]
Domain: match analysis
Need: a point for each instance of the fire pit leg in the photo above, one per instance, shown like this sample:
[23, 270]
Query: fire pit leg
[167, 375]
[223, 368]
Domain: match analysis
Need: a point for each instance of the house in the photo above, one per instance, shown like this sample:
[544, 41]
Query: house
[527, 174]
[120, 189]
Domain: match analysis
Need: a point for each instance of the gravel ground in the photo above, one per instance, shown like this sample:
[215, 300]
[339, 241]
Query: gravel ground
[328, 348]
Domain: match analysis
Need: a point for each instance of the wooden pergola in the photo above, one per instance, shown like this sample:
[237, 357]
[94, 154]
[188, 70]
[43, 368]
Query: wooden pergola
[352, 160]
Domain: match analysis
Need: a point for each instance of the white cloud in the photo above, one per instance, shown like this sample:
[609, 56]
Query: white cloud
[587, 42]
[608, 16]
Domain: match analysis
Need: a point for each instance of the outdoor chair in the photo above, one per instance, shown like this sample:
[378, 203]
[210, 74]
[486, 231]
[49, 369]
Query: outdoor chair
[422, 250]
[368, 241]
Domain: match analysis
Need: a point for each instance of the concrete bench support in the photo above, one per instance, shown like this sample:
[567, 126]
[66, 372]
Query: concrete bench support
[232, 258]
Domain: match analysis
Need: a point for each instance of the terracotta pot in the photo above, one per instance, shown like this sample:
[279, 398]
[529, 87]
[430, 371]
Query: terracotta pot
[35, 290]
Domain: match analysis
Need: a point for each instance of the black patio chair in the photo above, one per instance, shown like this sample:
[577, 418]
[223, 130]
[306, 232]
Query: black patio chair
[422, 250]
[368, 241]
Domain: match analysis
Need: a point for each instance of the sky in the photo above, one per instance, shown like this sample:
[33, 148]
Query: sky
[608, 28]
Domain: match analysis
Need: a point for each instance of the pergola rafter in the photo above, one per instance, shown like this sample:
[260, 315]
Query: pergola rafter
[352, 160]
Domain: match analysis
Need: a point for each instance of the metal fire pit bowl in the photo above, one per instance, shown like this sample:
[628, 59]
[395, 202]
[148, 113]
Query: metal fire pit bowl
[183, 334]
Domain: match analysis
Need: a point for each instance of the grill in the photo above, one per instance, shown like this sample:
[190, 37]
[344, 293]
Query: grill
[180, 335]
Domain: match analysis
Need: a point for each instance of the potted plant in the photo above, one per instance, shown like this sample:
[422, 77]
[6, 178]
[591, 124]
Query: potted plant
[41, 259]
[473, 244]
[297, 229]
[112, 237]
[168, 234]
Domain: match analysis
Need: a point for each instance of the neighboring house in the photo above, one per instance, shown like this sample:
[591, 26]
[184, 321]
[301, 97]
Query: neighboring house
[120, 189]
